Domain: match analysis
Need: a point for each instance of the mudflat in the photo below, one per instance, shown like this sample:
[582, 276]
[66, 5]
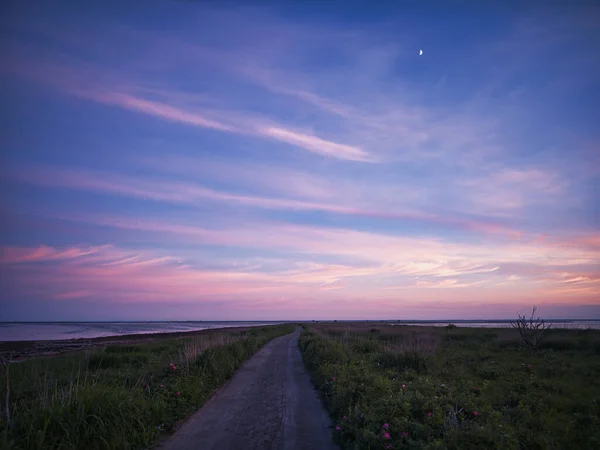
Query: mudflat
[268, 404]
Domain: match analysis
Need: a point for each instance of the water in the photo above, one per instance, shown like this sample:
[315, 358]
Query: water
[50, 331]
[559, 324]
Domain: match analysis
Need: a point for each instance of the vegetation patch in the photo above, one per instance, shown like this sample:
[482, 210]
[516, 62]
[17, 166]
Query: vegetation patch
[456, 388]
[120, 397]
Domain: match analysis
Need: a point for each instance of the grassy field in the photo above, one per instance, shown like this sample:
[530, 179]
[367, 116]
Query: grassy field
[120, 396]
[402, 387]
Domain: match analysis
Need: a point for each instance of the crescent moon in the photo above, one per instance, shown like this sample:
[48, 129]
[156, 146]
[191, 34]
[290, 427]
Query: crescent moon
[420, 52]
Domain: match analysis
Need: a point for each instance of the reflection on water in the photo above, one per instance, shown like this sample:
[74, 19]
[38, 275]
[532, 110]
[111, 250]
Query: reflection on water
[560, 324]
[77, 330]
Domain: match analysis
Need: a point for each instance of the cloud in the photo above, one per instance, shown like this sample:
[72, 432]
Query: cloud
[245, 124]
[12, 255]
[249, 167]
[371, 257]
[316, 144]
[504, 191]
[158, 110]
[367, 264]
[194, 194]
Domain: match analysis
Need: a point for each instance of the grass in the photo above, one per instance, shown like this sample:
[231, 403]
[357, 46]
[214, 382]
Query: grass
[121, 396]
[456, 388]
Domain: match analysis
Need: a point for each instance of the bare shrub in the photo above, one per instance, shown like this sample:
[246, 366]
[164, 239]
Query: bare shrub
[531, 329]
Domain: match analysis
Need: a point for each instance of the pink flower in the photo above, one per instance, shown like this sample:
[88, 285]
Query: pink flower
[171, 364]
[178, 393]
[429, 414]
[344, 417]
[475, 413]
[332, 378]
[386, 426]
[162, 385]
[389, 446]
[337, 428]
[405, 434]
[403, 386]
[386, 435]
[174, 367]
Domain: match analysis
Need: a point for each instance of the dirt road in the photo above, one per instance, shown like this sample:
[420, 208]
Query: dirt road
[268, 404]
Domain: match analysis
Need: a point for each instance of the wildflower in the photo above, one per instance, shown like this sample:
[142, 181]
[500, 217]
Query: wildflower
[332, 378]
[429, 414]
[387, 435]
[174, 367]
[344, 417]
[405, 434]
[403, 386]
[171, 364]
[162, 385]
[388, 446]
[475, 413]
[178, 393]
[337, 428]
[386, 426]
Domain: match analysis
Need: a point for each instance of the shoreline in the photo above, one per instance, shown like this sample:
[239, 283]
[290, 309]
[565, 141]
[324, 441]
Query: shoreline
[26, 349]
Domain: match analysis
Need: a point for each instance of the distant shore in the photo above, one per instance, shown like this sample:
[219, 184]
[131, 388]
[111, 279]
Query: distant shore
[20, 350]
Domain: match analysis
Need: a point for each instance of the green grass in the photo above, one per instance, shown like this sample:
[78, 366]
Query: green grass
[460, 388]
[121, 396]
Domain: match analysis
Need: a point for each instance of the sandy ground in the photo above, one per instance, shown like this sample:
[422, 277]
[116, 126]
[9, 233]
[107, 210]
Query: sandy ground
[268, 404]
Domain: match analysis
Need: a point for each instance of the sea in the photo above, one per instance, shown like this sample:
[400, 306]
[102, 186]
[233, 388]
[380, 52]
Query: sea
[55, 331]
[577, 324]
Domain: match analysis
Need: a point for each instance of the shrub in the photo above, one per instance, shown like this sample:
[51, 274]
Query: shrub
[120, 397]
[532, 330]
[473, 394]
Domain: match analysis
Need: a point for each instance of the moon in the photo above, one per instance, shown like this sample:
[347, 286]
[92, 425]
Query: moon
[420, 52]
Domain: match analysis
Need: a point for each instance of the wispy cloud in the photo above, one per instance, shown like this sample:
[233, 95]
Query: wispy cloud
[156, 109]
[245, 124]
[269, 164]
[377, 255]
[316, 144]
[504, 191]
[44, 253]
[194, 194]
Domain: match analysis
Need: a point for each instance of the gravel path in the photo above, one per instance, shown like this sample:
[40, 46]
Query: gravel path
[268, 404]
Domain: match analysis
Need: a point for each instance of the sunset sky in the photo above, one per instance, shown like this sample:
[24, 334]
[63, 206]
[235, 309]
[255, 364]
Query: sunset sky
[187, 160]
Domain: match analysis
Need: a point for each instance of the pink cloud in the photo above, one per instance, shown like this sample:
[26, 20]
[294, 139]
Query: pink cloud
[70, 295]
[12, 255]
[378, 262]
[316, 144]
[241, 124]
[504, 191]
[189, 193]
[157, 109]
[341, 290]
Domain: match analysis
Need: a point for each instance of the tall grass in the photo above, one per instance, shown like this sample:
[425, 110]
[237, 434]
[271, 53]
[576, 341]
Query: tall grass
[405, 387]
[121, 396]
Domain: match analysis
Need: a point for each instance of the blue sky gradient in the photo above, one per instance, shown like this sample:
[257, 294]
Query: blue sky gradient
[188, 160]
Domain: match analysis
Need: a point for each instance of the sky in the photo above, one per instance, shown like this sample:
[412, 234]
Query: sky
[187, 160]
